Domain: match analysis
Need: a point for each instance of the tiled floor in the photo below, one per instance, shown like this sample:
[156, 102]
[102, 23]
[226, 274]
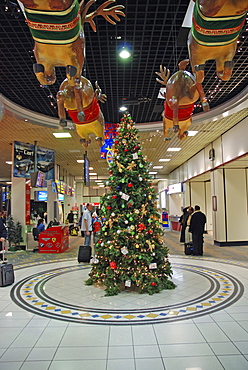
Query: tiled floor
[50, 320]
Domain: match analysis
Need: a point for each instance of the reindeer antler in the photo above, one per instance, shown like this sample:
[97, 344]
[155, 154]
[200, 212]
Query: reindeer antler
[164, 74]
[104, 11]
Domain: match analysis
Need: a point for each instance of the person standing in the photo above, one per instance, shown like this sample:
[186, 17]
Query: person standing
[86, 225]
[40, 225]
[188, 235]
[3, 236]
[70, 217]
[183, 223]
[197, 227]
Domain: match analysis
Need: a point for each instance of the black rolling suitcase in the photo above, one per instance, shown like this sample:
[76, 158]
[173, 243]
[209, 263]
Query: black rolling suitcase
[188, 248]
[84, 253]
[7, 276]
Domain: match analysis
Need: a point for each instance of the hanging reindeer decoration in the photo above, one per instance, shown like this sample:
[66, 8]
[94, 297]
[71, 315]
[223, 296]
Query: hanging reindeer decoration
[216, 26]
[81, 103]
[57, 29]
[182, 92]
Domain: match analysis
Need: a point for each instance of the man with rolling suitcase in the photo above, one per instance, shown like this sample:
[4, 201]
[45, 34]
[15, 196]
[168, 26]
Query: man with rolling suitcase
[6, 269]
[84, 253]
[3, 236]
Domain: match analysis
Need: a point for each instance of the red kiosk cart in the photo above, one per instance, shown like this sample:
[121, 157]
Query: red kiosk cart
[54, 240]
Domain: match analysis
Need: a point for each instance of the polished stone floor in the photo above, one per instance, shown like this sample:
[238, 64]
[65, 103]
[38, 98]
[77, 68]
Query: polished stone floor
[50, 320]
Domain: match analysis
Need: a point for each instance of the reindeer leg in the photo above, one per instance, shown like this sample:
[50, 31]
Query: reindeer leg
[175, 107]
[61, 109]
[224, 70]
[165, 123]
[71, 72]
[199, 71]
[44, 76]
[183, 129]
[204, 102]
[78, 98]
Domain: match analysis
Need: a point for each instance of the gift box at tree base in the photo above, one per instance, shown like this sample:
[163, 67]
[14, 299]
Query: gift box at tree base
[130, 252]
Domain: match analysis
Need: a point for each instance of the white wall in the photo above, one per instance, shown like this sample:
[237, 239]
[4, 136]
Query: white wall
[208, 206]
[196, 164]
[235, 141]
[175, 204]
[217, 186]
[236, 204]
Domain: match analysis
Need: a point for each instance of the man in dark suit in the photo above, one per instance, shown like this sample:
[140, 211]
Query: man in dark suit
[3, 236]
[197, 227]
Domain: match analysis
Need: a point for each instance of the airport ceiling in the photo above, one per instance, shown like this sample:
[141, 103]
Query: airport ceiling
[153, 30]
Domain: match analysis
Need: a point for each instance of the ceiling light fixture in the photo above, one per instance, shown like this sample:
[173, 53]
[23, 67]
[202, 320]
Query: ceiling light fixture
[153, 173]
[122, 109]
[9, 162]
[157, 167]
[61, 135]
[164, 160]
[173, 149]
[124, 53]
[192, 133]
[80, 160]
[92, 173]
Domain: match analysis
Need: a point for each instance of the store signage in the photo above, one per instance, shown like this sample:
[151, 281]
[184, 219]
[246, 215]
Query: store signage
[175, 188]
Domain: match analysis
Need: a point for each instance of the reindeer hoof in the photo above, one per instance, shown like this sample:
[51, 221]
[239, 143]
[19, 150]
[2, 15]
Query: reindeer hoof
[199, 67]
[167, 138]
[183, 136]
[175, 128]
[71, 71]
[81, 116]
[205, 106]
[229, 64]
[99, 140]
[62, 122]
[82, 141]
[38, 68]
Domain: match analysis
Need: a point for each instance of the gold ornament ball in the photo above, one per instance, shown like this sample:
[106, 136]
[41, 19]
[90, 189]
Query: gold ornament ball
[137, 245]
[137, 236]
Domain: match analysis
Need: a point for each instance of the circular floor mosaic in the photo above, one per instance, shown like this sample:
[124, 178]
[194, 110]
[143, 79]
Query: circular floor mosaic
[45, 294]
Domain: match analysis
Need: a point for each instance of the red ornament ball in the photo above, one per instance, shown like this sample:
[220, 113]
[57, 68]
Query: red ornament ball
[112, 265]
[150, 231]
[130, 185]
[153, 283]
[110, 172]
[116, 142]
[114, 196]
[136, 147]
[125, 150]
[109, 207]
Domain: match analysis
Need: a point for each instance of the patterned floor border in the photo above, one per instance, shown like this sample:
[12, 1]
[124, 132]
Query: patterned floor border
[21, 265]
[30, 294]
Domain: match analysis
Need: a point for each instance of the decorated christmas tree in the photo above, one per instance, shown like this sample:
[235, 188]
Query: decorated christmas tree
[130, 253]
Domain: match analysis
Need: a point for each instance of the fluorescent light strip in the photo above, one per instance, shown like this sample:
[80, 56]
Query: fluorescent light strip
[173, 149]
[157, 167]
[61, 135]
[192, 133]
[80, 160]
[164, 160]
